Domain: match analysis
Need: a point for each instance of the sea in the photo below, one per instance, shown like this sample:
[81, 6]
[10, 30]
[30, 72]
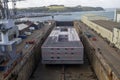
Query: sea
[71, 16]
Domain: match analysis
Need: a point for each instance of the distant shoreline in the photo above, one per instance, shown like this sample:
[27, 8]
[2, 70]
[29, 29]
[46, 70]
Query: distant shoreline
[36, 14]
[43, 15]
[74, 16]
[59, 8]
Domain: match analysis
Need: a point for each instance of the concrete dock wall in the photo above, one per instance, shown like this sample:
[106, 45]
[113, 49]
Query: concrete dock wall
[111, 36]
[105, 33]
[101, 67]
[116, 38]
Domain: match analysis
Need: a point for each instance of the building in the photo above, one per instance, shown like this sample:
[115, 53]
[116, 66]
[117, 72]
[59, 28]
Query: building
[117, 15]
[62, 46]
[26, 27]
[56, 7]
[93, 17]
[108, 29]
[22, 28]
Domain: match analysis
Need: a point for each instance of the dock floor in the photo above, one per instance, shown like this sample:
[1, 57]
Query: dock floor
[70, 72]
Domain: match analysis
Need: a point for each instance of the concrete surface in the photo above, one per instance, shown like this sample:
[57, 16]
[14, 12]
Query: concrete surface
[108, 57]
[70, 72]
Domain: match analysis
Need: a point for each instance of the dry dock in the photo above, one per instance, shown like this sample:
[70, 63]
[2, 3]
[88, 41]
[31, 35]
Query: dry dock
[101, 62]
[64, 72]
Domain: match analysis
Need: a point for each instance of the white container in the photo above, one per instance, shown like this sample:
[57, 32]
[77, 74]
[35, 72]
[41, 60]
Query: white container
[32, 28]
[27, 33]
[18, 40]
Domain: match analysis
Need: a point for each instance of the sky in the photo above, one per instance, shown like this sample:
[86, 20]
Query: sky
[92, 3]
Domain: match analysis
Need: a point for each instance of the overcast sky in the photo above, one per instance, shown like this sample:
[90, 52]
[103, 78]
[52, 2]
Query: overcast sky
[96, 3]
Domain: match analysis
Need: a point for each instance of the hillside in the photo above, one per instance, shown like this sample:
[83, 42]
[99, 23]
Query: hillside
[57, 8]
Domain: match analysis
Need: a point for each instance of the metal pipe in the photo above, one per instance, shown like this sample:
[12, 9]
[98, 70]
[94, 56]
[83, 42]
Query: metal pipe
[4, 37]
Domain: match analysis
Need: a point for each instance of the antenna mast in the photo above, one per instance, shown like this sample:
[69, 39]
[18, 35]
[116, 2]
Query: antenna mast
[5, 11]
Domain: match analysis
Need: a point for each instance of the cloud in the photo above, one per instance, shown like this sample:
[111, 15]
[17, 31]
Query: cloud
[100, 3]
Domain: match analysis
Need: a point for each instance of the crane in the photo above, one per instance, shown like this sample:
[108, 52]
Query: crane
[7, 46]
[4, 9]
[1, 10]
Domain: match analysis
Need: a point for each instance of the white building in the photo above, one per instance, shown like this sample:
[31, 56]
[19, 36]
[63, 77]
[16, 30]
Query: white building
[62, 46]
[117, 15]
[106, 28]
[93, 17]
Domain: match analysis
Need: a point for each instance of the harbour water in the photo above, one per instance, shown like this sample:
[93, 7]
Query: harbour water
[70, 16]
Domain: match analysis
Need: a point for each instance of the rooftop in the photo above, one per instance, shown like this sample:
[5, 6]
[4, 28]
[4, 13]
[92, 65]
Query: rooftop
[118, 11]
[95, 17]
[56, 5]
[63, 37]
[107, 24]
[22, 26]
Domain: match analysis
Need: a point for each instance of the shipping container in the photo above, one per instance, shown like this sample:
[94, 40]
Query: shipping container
[22, 36]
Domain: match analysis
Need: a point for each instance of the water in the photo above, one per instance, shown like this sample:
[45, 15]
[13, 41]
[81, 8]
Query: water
[73, 16]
